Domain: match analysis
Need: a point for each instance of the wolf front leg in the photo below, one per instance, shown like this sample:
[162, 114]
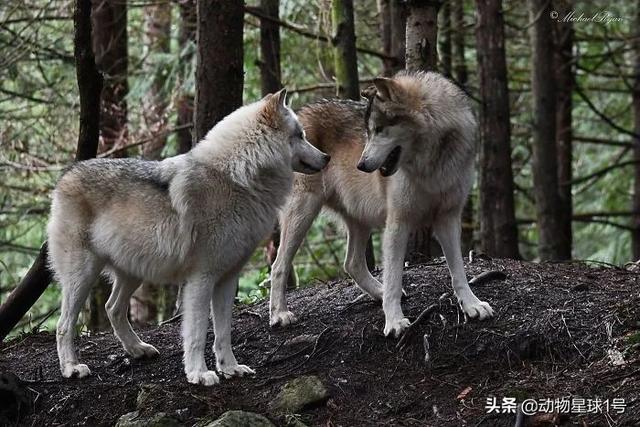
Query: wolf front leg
[195, 320]
[447, 230]
[224, 293]
[394, 246]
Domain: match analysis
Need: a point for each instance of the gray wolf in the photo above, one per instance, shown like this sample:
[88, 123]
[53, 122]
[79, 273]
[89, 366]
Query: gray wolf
[418, 131]
[194, 218]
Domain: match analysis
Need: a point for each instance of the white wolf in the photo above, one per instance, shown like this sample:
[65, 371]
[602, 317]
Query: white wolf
[418, 130]
[194, 218]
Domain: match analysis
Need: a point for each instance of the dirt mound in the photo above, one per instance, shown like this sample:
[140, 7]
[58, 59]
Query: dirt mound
[561, 331]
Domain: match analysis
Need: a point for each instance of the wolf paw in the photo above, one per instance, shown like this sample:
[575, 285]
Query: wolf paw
[396, 327]
[142, 350]
[206, 378]
[477, 309]
[235, 371]
[75, 370]
[282, 318]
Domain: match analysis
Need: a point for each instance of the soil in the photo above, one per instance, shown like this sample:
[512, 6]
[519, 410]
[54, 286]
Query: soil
[553, 336]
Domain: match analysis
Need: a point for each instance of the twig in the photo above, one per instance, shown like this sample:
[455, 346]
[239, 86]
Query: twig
[486, 277]
[171, 319]
[411, 330]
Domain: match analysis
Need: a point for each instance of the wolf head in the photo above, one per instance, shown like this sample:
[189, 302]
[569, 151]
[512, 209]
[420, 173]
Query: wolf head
[305, 158]
[392, 123]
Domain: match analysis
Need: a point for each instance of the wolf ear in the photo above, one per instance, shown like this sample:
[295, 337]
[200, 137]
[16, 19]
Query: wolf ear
[386, 88]
[368, 92]
[281, 96]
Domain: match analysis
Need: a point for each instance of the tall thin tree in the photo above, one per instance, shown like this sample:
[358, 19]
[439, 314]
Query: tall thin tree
[635, 236]
[186, 46]
[393, 21]
[344, 43]
[564, 75]
[498, 230]
[460, 74]
[545, 158]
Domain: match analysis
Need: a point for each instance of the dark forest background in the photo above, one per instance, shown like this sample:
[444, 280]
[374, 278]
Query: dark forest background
[555, 84]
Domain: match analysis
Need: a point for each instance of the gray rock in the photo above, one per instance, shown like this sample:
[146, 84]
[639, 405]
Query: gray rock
[300, 393]
[135, 419]
[240, 419]
[146, 395]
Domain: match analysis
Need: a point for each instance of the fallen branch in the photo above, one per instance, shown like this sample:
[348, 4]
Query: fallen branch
[411, 330]
[486, 277]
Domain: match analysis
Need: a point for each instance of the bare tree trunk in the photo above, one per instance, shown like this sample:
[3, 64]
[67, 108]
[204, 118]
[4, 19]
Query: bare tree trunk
[445, 39]
[90, 82]
[460, 74]
[635, 236]
[109, 19]
[422, 35]
[564, 75]
[344, 43]
[460, 64]
[398, 13]
[186, 43]
[157, 40]
[270, 76]
[422, 55]
[545, 158]
[219, 69]
[110, 45]
[393, 22]
[498, 229]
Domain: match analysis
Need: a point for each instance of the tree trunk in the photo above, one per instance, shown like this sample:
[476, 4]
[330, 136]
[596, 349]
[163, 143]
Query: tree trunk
[635, 236]
[564, 75]
[422, 55]
[422, 35]
[184, 104]
[398, 14]
[270, 76]
[393, 22]
[89, 87]
[109, 19]
[219, 69]
[158, 41]
[459, 65]
[110, 47]
[498, 229]
[545, 158]
[344, 42]
[445, 39]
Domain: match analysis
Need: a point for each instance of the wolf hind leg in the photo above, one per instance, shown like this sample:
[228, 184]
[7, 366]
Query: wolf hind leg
[296, 220]
[447, 230]
[117, 308]
[77, 271]
[355, 263]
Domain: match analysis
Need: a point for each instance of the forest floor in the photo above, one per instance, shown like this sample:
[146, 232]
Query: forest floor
[560, 331]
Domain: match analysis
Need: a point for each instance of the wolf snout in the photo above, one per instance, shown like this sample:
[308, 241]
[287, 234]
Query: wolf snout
[362, 165]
